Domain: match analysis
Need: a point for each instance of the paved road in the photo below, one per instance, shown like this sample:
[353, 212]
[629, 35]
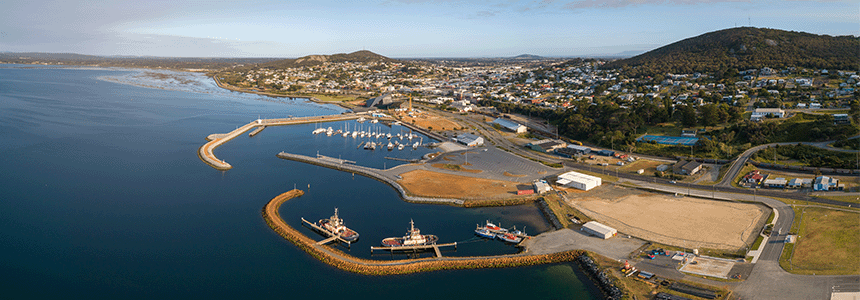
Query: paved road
[767, 279]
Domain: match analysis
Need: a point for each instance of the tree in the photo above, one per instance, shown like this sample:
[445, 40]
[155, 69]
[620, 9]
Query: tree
[710, 115]
[688, 115]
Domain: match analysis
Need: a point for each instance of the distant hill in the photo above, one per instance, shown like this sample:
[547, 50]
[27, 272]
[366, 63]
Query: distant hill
[746, 48]
[527, 56]
[362, 56]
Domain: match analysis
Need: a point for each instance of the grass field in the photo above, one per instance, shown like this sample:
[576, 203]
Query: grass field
[333, 97]
[828, 243]
[851, 199]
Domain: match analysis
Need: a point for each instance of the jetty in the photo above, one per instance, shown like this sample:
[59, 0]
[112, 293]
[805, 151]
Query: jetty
[256, 131]
[215, 140]
[369, 172]
[416, 248]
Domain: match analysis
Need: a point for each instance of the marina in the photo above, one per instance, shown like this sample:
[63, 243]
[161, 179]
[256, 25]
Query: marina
[206, 154]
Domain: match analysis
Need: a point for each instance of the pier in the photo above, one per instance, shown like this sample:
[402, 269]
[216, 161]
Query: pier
[331, 237]
[205, 152]
[416, 248]
[369, 172]
[256, 131]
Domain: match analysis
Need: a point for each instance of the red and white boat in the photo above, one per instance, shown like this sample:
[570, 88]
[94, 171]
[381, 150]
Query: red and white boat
[413, 237]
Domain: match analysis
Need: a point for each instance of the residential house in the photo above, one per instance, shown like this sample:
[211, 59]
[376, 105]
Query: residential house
[761, 113]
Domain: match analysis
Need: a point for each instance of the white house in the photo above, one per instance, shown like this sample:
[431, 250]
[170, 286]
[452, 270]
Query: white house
[761, 113]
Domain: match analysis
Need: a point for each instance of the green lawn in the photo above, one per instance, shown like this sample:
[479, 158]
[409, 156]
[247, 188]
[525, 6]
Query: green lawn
[828, 243]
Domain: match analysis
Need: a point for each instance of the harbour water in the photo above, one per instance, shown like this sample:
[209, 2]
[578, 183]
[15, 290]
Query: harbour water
[103, 196]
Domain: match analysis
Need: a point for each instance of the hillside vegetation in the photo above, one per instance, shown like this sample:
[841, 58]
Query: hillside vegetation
[362, 56]
[726, 51]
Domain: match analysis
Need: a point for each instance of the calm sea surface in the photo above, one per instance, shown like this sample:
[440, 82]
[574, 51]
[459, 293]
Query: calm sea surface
[102, 196]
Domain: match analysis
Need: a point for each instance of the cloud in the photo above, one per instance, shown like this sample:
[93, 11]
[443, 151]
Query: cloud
[623, 3]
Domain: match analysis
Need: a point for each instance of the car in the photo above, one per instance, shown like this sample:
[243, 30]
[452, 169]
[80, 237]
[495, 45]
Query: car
[673, 182]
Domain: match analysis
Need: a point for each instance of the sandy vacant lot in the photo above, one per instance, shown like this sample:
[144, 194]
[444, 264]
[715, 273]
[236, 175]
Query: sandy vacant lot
[432, 184]
[680, 221]
[437, 123]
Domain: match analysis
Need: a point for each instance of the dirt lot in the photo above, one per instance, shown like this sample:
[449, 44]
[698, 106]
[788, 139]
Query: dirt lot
[430, 121]
[679, 221]
[432, 184]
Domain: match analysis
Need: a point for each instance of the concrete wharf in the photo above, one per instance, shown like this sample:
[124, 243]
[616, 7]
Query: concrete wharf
[331, 237]
[416, 248]
[256, 131]
[403, 159]
[369, 172]
[215, 140]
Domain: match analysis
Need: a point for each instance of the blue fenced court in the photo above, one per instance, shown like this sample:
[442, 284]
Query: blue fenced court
[669, 140]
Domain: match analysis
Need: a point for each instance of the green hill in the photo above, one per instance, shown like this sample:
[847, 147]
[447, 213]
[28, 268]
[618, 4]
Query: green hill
[746, 48]
[362, 56]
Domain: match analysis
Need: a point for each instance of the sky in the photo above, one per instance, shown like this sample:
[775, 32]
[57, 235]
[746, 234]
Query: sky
[396, 28]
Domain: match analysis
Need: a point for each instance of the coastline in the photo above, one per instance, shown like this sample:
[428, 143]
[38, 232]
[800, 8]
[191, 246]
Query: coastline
[236, 89]
[345, 262]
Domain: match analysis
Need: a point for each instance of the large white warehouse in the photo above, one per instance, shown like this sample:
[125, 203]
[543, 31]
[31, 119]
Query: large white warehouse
[599, 230]
[578, 180]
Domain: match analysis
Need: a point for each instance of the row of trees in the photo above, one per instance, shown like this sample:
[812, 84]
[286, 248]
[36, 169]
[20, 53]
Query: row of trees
[610, 125]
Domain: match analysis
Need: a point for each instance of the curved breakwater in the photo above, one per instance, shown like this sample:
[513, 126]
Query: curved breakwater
[205, 152]
[349, 263]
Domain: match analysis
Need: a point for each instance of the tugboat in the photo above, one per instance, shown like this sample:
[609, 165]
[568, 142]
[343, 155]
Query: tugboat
[334, 226]
[413, 238]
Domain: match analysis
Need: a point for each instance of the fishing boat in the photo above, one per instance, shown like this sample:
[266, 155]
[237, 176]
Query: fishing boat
[415, 146]
[509, 237]
[334, 226]
[494, 228]
[413, 237]
[483, 232]
[390, 146]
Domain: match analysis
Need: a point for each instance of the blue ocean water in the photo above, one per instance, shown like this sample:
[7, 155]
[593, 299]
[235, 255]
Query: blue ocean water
[102, 196]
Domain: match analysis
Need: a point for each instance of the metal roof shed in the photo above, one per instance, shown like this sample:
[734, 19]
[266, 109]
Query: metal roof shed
[599, 230]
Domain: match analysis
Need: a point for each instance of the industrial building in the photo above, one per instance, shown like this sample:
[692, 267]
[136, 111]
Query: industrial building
[578, 180]
[599, 230]
[510, 125]
[546, 145]
[541, 187]
[383, 100]
[470, 140]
